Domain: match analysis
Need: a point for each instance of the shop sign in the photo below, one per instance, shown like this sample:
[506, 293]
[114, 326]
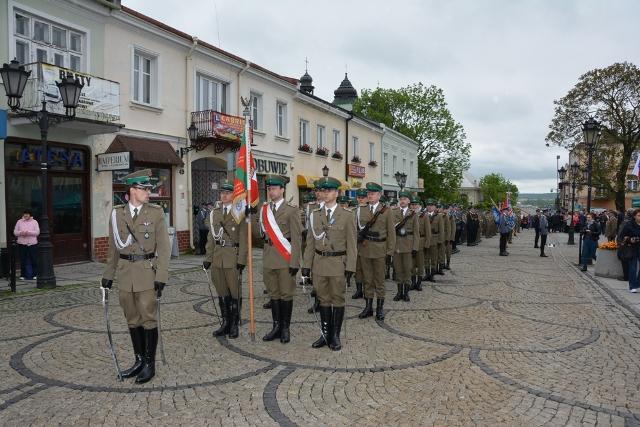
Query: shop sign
[264, 166]
[114, 161]
[227, 127]
[58, 158]
[356, 170]
[100, 98]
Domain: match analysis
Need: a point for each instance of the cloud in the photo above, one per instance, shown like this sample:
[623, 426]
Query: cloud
[500, 63]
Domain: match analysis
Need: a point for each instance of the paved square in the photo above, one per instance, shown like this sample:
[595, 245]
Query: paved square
[518, 340]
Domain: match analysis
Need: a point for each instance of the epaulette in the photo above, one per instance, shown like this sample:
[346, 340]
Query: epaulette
[119, 206]
[153, 205]
[316, 210]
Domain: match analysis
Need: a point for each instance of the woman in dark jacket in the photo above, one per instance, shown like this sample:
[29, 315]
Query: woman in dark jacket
[631, 236]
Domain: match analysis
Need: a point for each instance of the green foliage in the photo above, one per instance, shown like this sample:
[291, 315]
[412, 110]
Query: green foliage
[612, 96]
[494, 187]
[420, 112]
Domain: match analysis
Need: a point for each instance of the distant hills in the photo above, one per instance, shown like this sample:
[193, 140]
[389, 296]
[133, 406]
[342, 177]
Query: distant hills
[525, 197]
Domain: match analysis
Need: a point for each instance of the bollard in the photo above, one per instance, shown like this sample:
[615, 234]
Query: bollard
[12, 265]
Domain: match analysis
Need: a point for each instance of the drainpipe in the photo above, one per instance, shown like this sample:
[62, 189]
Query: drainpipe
[346, 148]
[188, 69]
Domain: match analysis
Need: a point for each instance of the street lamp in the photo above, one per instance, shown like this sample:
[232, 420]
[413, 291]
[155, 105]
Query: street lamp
[591, 133]
[575, 168]
[562, 173]
[325, 171]
[192, 130]
[401, 179]
[14, 79]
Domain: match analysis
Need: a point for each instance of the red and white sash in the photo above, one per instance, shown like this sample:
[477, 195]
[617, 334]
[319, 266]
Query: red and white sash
[275, 234]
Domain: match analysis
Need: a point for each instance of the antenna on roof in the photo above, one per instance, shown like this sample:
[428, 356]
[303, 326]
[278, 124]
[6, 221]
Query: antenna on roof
[215, 12]
[306, 64]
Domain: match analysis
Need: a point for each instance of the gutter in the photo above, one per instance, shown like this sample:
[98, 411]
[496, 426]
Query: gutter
[187, 69]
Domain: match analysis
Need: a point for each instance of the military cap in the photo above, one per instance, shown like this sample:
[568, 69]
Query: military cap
[372, 186]
[393, 202]
[383, 199]
[310, 197]
[328, 182]
[275, 180]
[362, 192]
[353, 203]
[431, 202]
[141, 178]
[226, 186]
[404, 194]
[415, 200]
[343, 199]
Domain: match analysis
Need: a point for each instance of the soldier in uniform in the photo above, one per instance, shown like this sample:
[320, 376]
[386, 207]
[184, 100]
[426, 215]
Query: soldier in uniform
[343, 201]
[450, 232]
[407, 243]
[361, 197]
[437, 238]
[139, 252]
[227, 256]
[331, 253]
[281, 228]
[424, 235]
[377, 232]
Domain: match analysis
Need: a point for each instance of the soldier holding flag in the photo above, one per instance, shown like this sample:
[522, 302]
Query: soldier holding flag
[281, 228]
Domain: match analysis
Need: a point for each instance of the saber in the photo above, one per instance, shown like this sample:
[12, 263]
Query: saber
[315, 314]
[105, 304]
[215, 307]
[239, 297]
[164, 359]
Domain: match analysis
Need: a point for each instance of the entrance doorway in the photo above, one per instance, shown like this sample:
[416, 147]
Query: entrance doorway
[206, 176]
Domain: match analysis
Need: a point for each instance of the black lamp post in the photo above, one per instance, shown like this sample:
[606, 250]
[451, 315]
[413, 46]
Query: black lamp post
[14, 79]
[558, 179]
[591, 132]
[401, 179]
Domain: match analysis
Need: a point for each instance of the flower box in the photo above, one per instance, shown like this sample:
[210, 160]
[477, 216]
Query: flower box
[306, 148]
[355, 159]
[321, 151]
[337, 155]
[373, 163]
[608, 265]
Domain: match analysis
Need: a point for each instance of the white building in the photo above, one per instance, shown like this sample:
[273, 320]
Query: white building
[399, 154]
[469, 189]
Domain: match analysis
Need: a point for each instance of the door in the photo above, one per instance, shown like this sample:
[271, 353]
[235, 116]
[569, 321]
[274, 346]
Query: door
[68, 216]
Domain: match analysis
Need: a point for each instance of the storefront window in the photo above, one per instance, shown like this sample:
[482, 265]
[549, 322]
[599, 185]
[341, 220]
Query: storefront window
[160, 192]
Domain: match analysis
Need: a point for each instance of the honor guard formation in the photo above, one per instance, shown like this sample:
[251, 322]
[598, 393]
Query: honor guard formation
[322, 245]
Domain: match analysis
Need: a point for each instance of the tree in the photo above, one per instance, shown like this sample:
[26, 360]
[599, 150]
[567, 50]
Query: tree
[420, 112]
[612, 96]
[494, 187]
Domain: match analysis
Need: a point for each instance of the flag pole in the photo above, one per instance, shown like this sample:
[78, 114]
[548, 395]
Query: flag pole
[249, 175]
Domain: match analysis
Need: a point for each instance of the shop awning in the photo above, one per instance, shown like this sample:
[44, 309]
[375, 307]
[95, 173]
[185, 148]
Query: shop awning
[146, 150]
[306, 181]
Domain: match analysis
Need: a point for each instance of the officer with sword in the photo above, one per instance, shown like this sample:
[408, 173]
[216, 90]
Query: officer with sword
[139, 252]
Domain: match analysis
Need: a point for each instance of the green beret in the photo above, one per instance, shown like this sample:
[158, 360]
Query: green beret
[362, 192]
[275, 180]
[141, 178]
[404, 194]
[328, 182]
[372, 186]
[343, 199]
[226, 186]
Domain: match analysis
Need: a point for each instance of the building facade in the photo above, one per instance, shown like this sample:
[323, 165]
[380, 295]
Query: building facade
[470, 190]
[399, 154]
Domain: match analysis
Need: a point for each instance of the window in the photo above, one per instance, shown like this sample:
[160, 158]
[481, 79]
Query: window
[372, 152]
[210, 94]
[41, 32]
[385, 163]
[59, 37]
[22, 25]
[144, 77]
[395, 164]
[256, 111]
[37, 39]
[336, 141]
[304, 133]
[355, 146]
[404, 165]
[281, 119]
[22, 52]
[321, 137]
[632, 185]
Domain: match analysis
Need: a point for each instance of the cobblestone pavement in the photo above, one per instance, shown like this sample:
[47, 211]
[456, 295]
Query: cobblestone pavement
[518, 340]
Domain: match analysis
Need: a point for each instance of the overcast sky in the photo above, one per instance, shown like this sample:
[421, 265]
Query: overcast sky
[501, 63]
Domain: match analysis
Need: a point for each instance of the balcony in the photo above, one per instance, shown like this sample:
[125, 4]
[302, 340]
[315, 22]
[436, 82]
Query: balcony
[221, 130]
[99, 107]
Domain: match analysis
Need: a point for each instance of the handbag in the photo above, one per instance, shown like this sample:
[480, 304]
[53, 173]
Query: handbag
[627, 252]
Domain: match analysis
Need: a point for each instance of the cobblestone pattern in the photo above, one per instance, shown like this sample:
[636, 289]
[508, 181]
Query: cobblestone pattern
[517, 340]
